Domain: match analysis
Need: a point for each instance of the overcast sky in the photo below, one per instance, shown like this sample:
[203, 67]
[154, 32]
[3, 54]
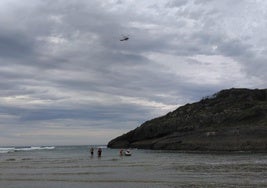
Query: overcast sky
[66, 78]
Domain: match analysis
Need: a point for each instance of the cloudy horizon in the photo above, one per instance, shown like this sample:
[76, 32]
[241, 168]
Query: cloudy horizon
[66, 78]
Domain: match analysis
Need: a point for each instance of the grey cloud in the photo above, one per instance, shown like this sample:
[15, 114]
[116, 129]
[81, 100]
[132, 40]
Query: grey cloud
[202, 1]
[115, 114]
[15, 45]
[234, 48]
[60, 49]
[176, 3]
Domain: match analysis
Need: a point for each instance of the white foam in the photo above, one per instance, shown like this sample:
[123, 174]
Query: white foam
[35, 148]
[102, 147]
[7, 150]
[31, 148]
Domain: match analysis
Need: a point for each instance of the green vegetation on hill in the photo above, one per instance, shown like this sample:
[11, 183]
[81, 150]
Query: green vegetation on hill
[230, 120]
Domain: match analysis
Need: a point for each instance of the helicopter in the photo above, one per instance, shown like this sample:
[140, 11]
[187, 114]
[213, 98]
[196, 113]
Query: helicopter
[124, 38]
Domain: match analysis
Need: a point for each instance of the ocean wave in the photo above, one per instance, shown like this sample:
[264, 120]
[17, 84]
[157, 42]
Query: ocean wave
[102, 146]
[6, 150]
[30, 148]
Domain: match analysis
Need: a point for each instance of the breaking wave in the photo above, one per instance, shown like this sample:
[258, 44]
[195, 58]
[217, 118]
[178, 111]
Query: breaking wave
[30, 148]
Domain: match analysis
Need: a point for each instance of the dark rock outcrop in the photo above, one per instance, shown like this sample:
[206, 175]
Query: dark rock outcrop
[230, 120]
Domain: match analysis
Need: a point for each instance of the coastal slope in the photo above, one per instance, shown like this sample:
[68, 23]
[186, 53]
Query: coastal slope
[230, 120]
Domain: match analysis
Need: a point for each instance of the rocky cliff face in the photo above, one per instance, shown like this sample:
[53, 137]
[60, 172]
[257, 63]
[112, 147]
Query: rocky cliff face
[230, 120]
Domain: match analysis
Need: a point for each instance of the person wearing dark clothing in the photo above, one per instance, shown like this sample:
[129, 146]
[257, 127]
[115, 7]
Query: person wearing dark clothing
[99, 152]
[121, 152]
[92, 151]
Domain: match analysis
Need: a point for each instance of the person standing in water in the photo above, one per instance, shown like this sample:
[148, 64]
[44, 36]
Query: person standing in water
[92, 151]
[121, 152]
[99, 152]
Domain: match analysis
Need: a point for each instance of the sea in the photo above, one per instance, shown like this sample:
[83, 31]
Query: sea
[74, 167]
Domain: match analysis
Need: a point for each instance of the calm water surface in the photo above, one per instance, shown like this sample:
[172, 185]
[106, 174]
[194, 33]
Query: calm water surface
[72, 166]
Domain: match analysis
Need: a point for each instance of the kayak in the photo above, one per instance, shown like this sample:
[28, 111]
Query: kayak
[127, 153]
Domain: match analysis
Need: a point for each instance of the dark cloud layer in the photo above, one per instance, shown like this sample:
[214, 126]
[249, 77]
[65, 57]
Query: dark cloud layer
[64, 73]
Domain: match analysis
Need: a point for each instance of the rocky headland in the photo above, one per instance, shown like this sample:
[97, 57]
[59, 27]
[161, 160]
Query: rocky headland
[230, 120]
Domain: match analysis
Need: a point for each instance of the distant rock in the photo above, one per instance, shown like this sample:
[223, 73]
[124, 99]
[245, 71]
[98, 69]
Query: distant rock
[230, 120]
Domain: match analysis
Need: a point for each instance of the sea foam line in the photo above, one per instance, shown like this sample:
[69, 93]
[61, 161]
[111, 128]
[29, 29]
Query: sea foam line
[31, 148]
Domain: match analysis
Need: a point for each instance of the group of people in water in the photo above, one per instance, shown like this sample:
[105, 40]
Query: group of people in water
[99, 152]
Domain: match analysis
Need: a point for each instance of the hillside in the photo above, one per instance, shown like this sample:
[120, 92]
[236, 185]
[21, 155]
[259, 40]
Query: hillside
[230, 120]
